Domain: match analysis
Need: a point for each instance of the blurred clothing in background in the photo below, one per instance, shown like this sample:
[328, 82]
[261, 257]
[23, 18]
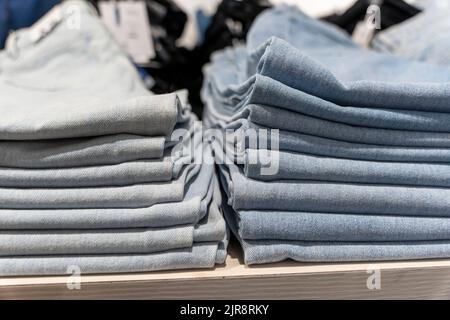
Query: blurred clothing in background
[18, 14]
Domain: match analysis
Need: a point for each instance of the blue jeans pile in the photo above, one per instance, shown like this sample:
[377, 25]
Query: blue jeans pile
[359, 167]
[90, 173]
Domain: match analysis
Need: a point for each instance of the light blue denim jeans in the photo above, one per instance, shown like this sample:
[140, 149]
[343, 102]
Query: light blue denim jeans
[190, 210]
[268, 251]
[200, 255]
[319, 196]
[333, 227]
[304, 167]
[110, 241]
[361, 132]
[351, 76]
[228, 98]
[121, 250]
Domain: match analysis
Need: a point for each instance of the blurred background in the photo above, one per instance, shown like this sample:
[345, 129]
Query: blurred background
[171, 40]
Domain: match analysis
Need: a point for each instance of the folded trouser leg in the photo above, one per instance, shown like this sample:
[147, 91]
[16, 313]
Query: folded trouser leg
[314, 196]
[302, 167]
[334, 227]
[268, 251]
[199, 256]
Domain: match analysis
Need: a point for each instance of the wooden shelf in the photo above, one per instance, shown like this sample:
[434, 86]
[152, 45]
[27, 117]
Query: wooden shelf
[288, 280]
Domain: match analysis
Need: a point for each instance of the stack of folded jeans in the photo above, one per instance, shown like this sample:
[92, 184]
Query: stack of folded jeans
[89, 175]
[331, 152]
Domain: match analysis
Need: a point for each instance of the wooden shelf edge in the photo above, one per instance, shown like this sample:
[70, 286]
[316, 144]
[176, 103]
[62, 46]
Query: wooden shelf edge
[291, 280]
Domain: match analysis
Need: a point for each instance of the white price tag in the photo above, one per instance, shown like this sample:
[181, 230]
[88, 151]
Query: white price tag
[128, 22]
[365, 30]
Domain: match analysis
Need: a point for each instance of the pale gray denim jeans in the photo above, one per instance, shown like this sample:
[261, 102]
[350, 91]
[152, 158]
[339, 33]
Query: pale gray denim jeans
[350, 109]
[109, 241]
[228, 98]
[319, 196]
[77, 82]
[298, 166]
[205, 253]
[309, 144]
[79, 152]
[201, 255]
[333, 227]
[176, 156]
[190, 210]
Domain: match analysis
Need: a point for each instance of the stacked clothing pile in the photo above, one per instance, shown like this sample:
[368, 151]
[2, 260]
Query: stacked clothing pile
[359, 167]
[89, 174]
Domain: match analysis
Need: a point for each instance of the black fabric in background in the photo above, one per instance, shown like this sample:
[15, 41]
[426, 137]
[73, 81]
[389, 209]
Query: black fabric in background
[392, 12]
[183, 68]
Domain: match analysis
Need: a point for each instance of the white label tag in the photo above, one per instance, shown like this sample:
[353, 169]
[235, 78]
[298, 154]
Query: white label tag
[128, 22]
[363, 34]
[46, 24]
[365, 30]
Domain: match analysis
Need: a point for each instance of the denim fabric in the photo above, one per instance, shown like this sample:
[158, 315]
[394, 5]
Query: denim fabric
[159, 215]
[120, 174]
[28, 243]
[228, 100]
[127, 173]
[102, 150]
[266, 117]
[213, 226]
[316, 196]
[351, 76]
[428, 45]
[66, 153]
[108, 241]
[268, 251]
[332, 227]
[277, 118]
[301, 143]
[209, 247]
[88, 176]
[364, 145]
[189, 211]
[133, 196]
[76, 82]
[201, 255]
[257, 252]
[297, 166]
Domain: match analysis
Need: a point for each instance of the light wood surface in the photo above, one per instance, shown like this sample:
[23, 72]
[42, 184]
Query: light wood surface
[288, 280]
